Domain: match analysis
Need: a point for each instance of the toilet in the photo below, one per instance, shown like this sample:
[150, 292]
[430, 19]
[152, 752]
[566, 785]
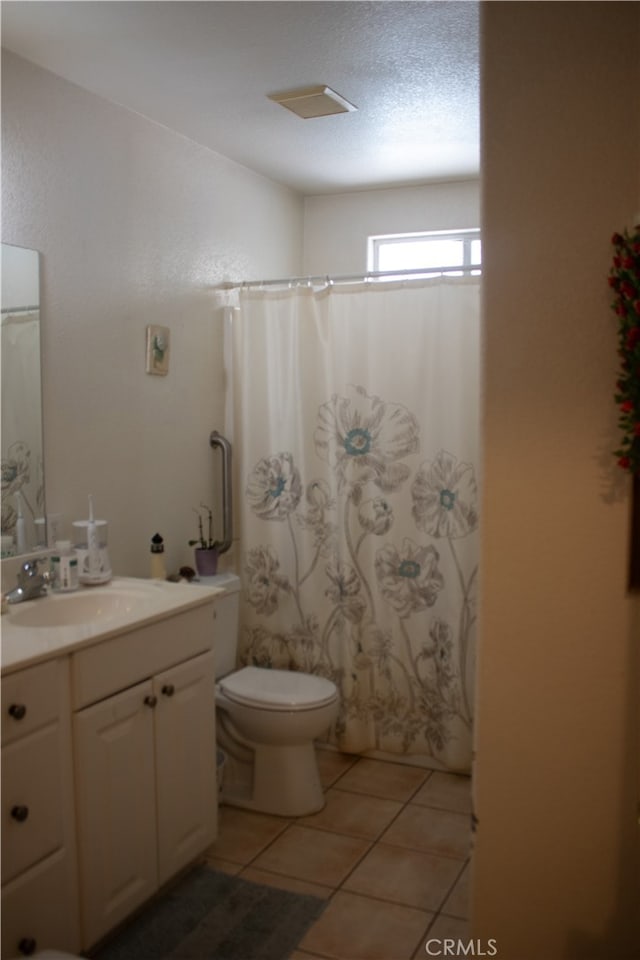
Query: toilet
[266, 722]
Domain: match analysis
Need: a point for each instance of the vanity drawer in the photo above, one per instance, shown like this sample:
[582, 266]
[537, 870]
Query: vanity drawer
[41, 906]
[99, 671]
[30, 699]
[32, 815]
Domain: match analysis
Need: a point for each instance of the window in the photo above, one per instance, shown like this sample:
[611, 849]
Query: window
[415, 251]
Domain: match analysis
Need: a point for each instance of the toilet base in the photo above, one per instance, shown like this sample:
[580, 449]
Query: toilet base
[280, 780]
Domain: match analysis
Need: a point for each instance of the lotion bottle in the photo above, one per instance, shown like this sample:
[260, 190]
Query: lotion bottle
[8, 547]
[158, 570]
[65, 567]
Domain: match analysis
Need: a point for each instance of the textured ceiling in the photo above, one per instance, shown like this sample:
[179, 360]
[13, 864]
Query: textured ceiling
[205, 69]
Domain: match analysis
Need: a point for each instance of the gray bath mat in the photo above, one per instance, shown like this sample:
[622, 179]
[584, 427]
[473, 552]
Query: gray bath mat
[213, 916]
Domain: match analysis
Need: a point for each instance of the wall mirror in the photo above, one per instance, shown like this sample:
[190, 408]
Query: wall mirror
[23, 507]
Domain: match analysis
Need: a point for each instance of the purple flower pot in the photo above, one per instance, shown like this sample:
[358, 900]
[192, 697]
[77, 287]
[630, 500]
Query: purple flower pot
[206, 561]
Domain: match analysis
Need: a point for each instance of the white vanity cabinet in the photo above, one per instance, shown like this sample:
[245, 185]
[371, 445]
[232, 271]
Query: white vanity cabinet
[145, 769]
[39, 876]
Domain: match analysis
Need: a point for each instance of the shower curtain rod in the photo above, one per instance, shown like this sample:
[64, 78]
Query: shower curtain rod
[353, 278]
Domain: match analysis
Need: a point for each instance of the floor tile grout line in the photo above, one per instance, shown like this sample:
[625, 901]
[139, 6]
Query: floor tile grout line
[271, 842]
[372, 843]
[370, 847]
[294, 823]
[453, 886]
[380, 837]
[387, 900]
[435, 913]
[408, 800]
[305, 953]
[422, 940]
[343, 772]
[427, 772]
[419, 788]
[442, 809]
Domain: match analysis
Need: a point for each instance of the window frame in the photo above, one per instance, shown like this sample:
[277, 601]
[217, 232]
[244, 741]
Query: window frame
[466, 236]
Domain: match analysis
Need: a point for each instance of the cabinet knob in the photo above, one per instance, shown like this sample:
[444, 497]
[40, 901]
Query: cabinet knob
[150, 701]
[20, 813]
[27, 946]
[17, 711]
[168, 689]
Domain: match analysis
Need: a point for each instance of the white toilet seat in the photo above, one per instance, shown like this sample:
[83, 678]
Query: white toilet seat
[281, 690]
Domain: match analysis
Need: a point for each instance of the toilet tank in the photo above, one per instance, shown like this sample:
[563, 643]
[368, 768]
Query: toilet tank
[227, 610]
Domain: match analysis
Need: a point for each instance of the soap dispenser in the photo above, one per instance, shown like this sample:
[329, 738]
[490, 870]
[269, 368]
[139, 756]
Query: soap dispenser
[158, 570]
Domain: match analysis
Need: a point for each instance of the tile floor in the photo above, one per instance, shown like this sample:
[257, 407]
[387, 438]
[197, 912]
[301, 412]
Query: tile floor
[390, 852]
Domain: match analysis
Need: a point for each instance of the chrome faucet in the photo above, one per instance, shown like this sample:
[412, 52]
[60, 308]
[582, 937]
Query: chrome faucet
[31, 582]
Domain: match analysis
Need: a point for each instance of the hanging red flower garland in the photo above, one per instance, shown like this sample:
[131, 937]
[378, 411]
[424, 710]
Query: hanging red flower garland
[624, 279]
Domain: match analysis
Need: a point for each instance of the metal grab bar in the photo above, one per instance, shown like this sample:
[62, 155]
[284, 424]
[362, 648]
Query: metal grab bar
[217, 440]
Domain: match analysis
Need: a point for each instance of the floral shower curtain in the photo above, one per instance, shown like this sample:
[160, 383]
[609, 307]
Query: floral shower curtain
[354, 423]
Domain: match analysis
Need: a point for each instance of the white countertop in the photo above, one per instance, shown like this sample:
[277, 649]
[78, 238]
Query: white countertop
[152, 600]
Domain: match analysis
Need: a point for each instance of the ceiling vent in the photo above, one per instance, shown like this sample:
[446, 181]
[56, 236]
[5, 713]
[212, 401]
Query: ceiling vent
[310, 102]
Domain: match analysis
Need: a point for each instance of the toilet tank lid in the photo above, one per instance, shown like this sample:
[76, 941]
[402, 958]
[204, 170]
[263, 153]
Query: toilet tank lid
[229, 582]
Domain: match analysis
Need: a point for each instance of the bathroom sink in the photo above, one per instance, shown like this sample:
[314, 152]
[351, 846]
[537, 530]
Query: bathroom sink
[62, 623]
[88, 605]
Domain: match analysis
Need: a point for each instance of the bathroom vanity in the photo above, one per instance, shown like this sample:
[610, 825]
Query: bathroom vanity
[108, 756]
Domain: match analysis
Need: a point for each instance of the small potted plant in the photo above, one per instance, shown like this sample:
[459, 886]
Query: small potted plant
[206, 552]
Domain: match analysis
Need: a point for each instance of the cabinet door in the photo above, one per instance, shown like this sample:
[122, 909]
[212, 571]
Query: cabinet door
[116, 805]
[185, 763]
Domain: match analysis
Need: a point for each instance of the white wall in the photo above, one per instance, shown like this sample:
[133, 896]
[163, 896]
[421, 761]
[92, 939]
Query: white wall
[336, 226]
[556, 859]
[135, 224]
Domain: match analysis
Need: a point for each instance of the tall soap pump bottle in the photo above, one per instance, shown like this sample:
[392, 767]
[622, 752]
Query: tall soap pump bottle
[158, 569]
[93, 545]
[21, 533]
